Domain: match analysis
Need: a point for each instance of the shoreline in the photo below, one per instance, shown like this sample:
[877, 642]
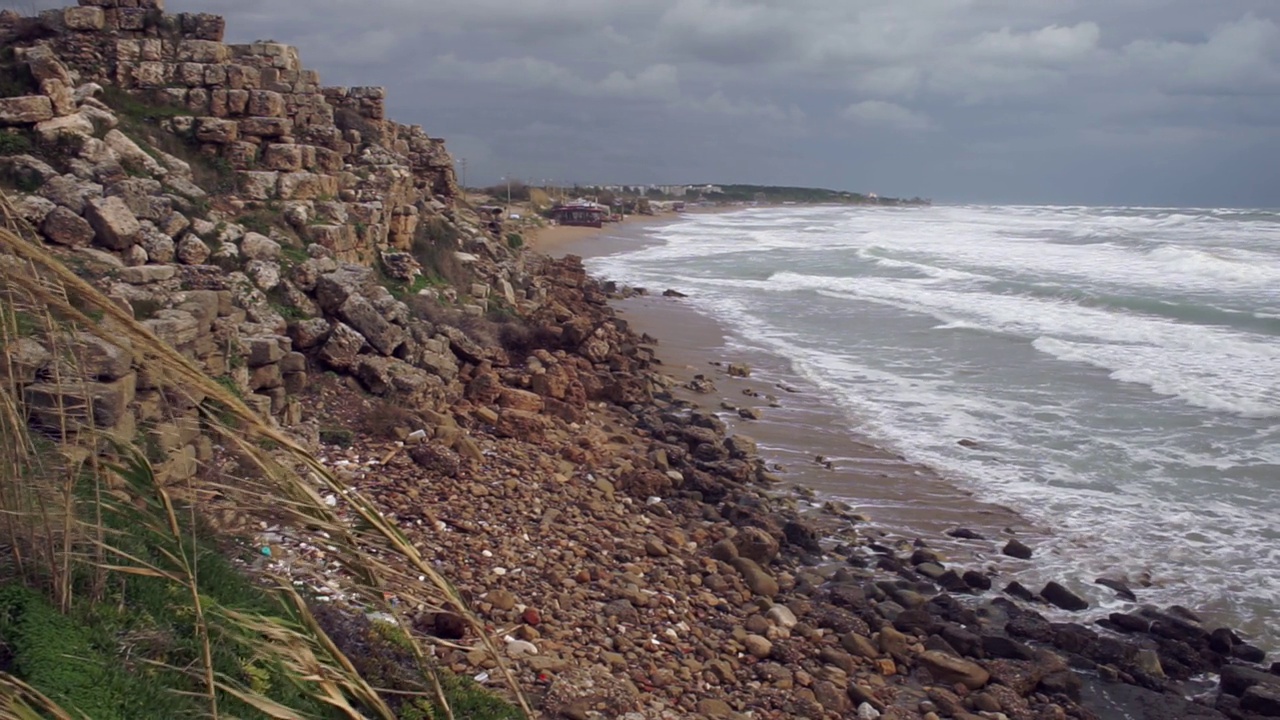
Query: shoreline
[894, 491]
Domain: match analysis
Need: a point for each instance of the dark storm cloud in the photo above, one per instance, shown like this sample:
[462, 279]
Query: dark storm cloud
[1136, 101]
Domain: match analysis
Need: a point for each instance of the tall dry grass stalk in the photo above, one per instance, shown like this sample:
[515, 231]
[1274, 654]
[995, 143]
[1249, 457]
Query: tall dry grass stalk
[63, 484]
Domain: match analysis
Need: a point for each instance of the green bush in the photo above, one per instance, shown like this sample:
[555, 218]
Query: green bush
[515, 240]
[14, 143]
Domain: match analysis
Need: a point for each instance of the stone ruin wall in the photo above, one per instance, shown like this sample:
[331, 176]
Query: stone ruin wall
[343, 176]
[257, 108]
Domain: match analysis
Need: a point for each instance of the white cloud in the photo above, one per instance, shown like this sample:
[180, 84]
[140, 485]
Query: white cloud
[888, 81]
[659, 81]
[881, 114]
[1239, 56]
[717, 103]
[1052, 44]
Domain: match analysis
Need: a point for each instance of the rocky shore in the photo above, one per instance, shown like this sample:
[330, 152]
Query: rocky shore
[633, 556]
[639, 562]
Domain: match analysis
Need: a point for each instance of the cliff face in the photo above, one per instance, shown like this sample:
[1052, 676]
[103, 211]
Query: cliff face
[266, 226]
[253, 107]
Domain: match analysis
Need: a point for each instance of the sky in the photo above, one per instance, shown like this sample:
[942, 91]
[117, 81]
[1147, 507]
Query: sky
[1138, 102]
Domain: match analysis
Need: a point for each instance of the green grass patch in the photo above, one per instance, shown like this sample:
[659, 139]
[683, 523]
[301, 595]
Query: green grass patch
[341, 437]
[13, 142]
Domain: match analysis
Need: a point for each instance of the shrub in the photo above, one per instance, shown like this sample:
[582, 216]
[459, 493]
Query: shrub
[14, 143]
[434, 247]
[341, 437]
[515, 240]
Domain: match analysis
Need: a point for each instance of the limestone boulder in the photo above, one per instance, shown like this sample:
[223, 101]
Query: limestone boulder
[131, 155]
[70, 192]
[264, 274]
[25, 110]
[256, 246]
[191, 250]
[64, 227]
[521, 425]
[309, 333]
[159, 246]
[306, 186]
[285, 158]
[116, 226]
[142, 274]
[950, 669]
[333, 289]
[84, 19]
[77, 124]
[513, 399]
[35, 209]
[341, 348]
[360, 314]
[80, 405]
[216, 130]
[258, 184]
[26, 358]
[758, 580]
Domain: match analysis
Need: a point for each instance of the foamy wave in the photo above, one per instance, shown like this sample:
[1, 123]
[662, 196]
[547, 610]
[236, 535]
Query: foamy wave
[1234, 265]
[1245, 393]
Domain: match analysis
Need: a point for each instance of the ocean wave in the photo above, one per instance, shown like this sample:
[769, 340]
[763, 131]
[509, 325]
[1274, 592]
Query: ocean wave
[1242, 390]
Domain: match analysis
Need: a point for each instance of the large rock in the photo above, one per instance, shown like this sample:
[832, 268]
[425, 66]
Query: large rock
[756, 544]
[1016, 548]
[340, 350]
[332, 289]
[757, 578]
[1237, 679]
[25, 359]
[159, 246]
[256, 246]
[520, 425]
[80, 405]
[309, 333]
[70, 192]
[361, 315]
[25, 110]
[191, 250]
[116, 226]
[64, 227]
[951, 669]
[513, 399]
[1262, 699]
[1060, 596]
[84, 18]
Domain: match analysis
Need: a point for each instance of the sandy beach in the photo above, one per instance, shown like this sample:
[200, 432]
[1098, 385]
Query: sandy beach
[810, 443]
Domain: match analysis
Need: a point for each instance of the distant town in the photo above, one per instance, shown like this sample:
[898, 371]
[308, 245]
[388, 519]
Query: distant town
[594, 205]
[641, 198]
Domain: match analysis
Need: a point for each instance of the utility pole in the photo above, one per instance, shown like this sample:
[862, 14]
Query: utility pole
[463, 164]
[508, 191]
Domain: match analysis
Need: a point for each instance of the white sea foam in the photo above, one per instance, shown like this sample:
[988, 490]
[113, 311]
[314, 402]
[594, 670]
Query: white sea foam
[1117, 364]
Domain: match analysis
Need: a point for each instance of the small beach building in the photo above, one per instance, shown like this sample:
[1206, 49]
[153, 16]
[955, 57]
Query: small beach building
[580, 214]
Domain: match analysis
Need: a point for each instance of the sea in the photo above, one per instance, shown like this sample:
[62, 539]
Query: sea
[1114, 372]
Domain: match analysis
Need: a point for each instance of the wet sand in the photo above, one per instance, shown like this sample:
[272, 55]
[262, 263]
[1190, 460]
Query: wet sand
[903, 500]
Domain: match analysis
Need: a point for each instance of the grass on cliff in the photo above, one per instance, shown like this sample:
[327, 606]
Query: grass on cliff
[121, 586]
[142, 118]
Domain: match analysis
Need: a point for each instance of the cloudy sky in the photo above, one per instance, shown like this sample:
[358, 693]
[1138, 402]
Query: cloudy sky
[1062, 101]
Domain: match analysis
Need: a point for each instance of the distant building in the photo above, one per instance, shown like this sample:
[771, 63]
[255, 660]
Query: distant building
[580, 214]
